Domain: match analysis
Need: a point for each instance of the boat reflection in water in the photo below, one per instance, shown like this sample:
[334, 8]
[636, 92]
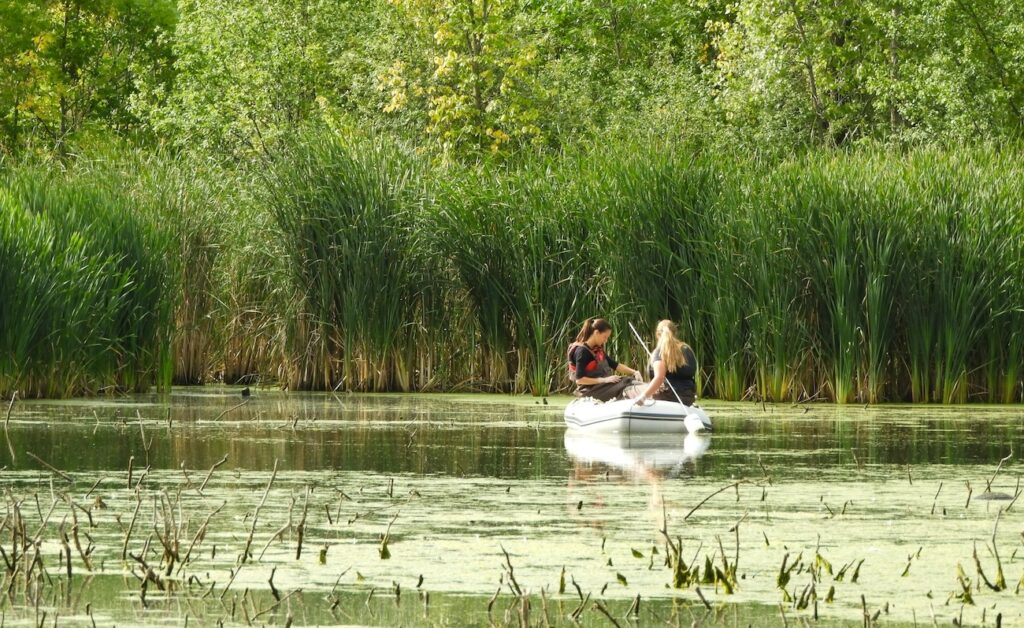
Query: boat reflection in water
[602, 463]
[636, 454]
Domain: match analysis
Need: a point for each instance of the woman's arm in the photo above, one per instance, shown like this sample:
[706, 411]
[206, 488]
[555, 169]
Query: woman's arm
[659, 378]
[591, 381]
[625, 370]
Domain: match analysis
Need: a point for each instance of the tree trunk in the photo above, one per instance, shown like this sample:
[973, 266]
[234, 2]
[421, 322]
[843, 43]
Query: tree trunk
[895, 120]
[819, 108]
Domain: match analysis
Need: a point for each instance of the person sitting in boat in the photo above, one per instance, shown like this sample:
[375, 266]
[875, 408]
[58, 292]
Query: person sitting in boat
[595, 373]
[672, 362]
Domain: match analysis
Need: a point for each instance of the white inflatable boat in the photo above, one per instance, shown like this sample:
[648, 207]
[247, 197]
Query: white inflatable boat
[626, 416]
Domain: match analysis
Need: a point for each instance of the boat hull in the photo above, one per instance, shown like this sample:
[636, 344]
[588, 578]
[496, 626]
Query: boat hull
[628, 417]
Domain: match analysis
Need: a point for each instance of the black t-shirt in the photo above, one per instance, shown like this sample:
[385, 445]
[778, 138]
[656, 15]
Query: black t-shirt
[586, 361]
[683, 378]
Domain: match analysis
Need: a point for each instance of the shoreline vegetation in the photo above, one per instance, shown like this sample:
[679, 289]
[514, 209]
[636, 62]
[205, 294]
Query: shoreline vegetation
[863, 276]
[432, 195]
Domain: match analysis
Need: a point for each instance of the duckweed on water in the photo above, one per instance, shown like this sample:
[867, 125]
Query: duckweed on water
[378, 472]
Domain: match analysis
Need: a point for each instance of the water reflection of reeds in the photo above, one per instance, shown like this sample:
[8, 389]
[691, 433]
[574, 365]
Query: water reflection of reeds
[462, 437]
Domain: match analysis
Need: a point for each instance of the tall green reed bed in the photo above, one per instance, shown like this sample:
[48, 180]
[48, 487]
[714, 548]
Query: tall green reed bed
[84, 278]
[407, 277]
[860, 277]
[191, 207]
[347, 212]
[913, 266]
[222, 252]
[520, 243]
[650, 212]
[358, 264]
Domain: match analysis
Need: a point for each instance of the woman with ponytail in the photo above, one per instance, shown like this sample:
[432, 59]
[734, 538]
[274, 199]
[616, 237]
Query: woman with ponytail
[672, 362]
[594, 371]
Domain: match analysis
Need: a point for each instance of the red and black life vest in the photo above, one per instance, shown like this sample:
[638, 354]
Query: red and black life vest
[592, 368]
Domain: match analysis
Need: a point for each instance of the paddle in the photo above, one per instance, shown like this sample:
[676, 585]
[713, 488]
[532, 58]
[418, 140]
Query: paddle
[649, 354]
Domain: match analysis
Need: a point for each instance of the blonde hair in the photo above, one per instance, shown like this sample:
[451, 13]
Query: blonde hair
[670, 347]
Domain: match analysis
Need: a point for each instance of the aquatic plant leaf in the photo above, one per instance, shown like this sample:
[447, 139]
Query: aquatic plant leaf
[856, 571]
[822, 562]
[727, 583]
[709, 571]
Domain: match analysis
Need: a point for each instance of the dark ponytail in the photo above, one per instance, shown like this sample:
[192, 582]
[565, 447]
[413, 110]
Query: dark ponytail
[592, 326]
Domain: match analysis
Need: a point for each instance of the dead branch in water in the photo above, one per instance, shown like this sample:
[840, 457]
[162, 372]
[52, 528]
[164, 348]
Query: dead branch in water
[221, 415]
[46, 464]
[287, 527]
[74, 535]
[7, 420]
[936, 499]
[256, 515]
[988, 485]
[721, 490]
[199, 537]
[210, 474]
[302, 525]
[131, 526]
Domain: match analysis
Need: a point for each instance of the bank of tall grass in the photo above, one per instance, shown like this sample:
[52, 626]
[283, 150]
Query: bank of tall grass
[225, 258]
[85, 279]
[358, 264]
[360, 292]
[861, 277]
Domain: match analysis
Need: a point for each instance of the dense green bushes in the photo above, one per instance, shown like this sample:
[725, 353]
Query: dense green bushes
[357, 264]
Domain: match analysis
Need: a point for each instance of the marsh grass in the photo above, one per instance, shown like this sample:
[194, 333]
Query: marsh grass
[354, 263]
[85, 277]
[651, 210]
[191, 203]
[520, 245]
[346, 212]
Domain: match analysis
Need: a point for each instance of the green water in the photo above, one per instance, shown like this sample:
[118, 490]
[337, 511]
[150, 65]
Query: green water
[462, 479]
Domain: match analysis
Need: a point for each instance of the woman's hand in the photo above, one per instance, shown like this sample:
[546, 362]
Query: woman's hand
[611, 379]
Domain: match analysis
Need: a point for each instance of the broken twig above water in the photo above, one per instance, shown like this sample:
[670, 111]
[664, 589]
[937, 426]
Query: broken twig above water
[7, 420]
[221, 415]
[51, 467]
[735, 484]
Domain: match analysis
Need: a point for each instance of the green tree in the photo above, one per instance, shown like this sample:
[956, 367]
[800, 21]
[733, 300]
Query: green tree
[73, 64]
[249, 73]
[22, 21]
[803, 72]
[471, 74]
[605, 61]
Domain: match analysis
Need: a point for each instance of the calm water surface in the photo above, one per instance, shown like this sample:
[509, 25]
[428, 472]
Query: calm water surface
[456, 481]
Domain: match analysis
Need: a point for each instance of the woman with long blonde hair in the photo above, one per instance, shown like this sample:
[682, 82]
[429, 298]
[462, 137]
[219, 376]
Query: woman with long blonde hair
[672, 362]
